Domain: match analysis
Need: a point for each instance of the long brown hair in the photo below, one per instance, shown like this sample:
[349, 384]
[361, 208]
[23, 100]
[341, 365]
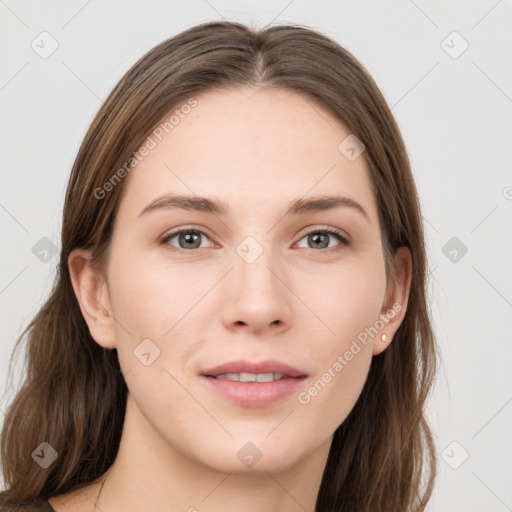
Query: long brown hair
[73, 396]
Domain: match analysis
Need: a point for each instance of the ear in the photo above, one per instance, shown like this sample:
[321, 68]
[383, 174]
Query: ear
[92, 294]
[395, 303]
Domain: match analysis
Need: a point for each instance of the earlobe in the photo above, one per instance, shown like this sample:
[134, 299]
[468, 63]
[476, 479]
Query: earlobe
[92, 294]
[395, 305]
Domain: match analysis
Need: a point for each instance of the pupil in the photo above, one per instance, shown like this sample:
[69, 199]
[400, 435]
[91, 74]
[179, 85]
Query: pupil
[323, 243]
[190, 238]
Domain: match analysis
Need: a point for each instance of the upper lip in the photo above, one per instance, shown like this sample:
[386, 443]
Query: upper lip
[244, 366]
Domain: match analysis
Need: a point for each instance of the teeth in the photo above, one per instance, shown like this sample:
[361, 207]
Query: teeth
[248, 377]
[251, 377]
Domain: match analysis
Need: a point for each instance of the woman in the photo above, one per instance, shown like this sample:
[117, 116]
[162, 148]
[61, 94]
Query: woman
[239, 319]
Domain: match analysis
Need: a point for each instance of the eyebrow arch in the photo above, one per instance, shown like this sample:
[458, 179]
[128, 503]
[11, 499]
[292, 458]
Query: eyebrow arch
[296, 207]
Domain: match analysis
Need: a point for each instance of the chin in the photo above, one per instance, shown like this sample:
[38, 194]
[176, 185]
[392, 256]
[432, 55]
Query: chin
[260, 456]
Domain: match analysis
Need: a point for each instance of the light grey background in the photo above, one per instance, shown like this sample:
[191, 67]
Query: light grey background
[455, 115]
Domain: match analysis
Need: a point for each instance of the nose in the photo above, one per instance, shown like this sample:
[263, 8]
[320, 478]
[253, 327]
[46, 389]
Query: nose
[259, 296]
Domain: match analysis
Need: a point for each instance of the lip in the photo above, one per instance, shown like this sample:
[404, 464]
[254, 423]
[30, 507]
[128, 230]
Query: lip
[243, 365]
[254, 394]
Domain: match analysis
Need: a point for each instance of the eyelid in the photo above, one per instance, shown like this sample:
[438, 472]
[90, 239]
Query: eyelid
[335, 231]
[171, 234]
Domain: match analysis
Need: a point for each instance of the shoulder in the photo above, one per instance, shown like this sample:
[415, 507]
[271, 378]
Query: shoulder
[38, 505]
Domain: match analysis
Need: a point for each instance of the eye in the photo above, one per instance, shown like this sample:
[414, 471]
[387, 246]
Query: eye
[319, 238]
[188, 240]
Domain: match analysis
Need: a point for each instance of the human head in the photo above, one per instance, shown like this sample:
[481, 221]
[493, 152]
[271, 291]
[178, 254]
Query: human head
[292, 66]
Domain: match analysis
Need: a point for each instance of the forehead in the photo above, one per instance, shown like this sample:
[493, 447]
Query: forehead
[254, 147]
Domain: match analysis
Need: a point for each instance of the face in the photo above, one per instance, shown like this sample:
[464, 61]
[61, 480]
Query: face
[253, 283]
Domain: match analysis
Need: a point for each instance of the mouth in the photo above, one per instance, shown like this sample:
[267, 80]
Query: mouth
[250, 377]
[253, 384]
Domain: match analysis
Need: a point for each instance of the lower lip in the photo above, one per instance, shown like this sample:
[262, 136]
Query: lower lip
[254, 394]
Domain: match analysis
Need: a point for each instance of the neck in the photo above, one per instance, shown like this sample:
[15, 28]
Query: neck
[150, 474]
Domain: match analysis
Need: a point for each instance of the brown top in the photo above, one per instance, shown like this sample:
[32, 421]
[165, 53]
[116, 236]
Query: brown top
[38, 505]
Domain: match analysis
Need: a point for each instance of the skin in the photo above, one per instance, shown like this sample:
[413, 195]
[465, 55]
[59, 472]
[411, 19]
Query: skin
[255, 150]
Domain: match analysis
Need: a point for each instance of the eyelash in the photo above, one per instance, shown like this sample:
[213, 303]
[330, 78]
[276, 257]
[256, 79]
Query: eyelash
[344, 242]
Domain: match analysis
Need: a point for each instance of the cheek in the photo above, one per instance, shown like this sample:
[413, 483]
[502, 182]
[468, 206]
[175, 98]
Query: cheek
[342, 359]
[333, 392]
[346, 297]
[160, 310]
[350, 306]
[153, 308]
[150, 299]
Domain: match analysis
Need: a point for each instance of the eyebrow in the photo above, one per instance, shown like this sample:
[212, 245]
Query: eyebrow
[299, 206]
